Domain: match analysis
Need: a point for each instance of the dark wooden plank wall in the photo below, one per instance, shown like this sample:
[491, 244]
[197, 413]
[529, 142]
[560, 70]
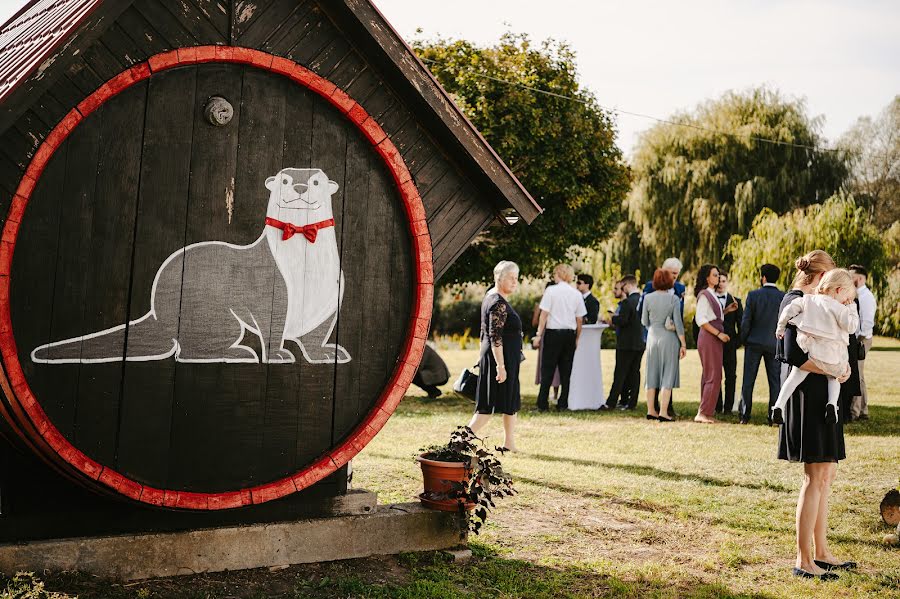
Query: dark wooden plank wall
[162, 220]
[297, 30]
[97, 234]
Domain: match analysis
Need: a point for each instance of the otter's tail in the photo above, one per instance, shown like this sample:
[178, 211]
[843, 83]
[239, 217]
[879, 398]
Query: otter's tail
[147, 339]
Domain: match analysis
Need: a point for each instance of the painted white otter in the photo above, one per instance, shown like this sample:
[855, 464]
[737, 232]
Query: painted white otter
[206, 297]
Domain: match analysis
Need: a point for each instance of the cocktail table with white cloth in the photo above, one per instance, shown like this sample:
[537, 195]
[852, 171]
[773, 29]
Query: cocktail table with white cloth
[586, 392]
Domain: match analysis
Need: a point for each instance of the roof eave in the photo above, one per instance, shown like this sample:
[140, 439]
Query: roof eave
[414, 70]
[61, 53]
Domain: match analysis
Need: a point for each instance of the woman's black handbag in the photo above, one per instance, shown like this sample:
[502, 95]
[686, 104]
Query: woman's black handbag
[466, 384]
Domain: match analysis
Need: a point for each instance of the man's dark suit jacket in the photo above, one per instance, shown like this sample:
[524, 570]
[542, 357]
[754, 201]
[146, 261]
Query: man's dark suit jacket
[592, 305]
[760, 318]
[630, 333]
[733, 319]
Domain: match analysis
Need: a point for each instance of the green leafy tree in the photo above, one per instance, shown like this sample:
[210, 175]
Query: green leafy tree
[563, 151]
[840, 227]
[705, 176]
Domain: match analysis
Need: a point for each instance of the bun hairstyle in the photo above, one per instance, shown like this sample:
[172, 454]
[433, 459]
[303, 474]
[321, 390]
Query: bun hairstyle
[810, 266]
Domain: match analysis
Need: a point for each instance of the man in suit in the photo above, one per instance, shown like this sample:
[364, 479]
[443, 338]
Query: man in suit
[734, 312]
[629, 347]
[674, 266]
[583, 284]
[758, 338]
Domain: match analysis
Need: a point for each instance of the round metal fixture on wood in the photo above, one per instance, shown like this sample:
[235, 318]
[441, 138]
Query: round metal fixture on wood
[218, 111]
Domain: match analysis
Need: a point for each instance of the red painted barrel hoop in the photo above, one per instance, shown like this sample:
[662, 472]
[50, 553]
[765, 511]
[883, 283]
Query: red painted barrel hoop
[419, 320]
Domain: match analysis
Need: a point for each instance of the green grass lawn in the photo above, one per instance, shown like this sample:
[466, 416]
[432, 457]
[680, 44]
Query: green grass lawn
[610, 505]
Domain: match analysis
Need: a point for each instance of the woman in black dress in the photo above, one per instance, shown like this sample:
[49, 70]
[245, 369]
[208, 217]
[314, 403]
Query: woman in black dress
[806, 437]
[501, 351]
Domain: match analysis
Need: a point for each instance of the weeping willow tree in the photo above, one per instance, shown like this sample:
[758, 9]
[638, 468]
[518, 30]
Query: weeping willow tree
[840, 227]
[705, 176]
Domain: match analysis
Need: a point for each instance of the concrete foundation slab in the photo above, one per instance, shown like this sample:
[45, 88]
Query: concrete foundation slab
[387, 530]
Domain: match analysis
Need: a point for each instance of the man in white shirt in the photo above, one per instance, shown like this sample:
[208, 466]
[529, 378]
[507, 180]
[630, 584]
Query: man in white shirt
[859, 406]
[559, 328]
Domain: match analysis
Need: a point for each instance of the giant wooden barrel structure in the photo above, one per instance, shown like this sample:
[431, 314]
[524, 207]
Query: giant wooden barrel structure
[220, 241]
[254, 361]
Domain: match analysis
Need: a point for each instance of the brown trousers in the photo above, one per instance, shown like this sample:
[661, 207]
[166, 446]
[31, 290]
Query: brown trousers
[711, 354]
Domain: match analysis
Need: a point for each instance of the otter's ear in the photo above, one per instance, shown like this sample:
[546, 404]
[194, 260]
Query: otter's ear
[332, 187]
[270, 183]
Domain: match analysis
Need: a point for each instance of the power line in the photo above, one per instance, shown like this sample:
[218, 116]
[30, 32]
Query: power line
[640, 115]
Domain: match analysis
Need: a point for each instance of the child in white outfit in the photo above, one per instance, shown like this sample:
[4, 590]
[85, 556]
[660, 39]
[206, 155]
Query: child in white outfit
[824, 322]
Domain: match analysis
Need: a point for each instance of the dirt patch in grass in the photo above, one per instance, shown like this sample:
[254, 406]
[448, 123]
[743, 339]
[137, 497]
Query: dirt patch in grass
[572, 528]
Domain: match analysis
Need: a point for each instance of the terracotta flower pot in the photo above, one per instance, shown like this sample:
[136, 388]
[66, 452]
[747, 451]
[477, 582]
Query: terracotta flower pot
[437, 477]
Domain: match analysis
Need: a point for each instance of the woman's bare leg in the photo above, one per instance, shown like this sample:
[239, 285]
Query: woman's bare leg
[478, 421]
[651, 403]
[665, 396]
[814, 476]
[509, 431]
[820, 533]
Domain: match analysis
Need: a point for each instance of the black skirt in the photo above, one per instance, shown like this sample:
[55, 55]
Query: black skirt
[805, 436]
[493, 397]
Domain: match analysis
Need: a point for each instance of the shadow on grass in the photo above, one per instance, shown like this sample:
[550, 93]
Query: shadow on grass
[489, 574]
[786, 527]
[635, 504]
[663, 474]
[884, 421]
[413, 575]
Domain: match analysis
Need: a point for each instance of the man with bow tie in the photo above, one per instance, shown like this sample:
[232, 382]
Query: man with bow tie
[734, 312]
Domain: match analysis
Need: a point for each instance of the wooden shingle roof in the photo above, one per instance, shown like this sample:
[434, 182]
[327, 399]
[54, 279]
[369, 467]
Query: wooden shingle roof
[33, 34]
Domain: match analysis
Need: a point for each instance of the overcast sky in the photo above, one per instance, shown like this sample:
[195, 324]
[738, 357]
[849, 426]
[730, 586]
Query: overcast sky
[656, 57]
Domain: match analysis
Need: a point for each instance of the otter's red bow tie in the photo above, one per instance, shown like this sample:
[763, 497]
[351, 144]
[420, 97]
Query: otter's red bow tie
[310, 231]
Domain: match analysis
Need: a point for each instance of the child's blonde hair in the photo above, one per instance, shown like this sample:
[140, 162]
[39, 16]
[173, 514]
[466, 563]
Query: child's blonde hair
[837, 278]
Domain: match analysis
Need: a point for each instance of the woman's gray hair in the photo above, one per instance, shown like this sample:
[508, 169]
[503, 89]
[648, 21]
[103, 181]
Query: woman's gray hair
[503, 268]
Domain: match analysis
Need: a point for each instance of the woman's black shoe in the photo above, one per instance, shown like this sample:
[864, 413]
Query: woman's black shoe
[650, 417]
[804, 574]
[830, 567]
[777, 416]
[664, 419]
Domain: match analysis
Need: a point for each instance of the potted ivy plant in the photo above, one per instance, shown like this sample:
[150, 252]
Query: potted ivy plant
[463, 476]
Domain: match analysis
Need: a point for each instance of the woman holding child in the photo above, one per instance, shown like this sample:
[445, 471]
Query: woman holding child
[808, 435]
